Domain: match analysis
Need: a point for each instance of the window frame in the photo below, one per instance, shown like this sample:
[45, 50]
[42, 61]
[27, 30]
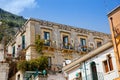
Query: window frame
[108, 64]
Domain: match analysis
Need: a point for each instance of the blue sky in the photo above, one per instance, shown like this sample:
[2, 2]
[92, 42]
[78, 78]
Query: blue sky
[88, 14]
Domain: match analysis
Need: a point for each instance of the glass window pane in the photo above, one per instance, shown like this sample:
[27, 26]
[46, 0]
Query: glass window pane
[83, 41]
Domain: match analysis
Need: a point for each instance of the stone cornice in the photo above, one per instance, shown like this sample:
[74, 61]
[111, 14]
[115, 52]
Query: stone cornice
[60, 26]
[69, 28]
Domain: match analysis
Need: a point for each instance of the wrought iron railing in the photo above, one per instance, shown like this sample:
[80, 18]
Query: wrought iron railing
[67, 46]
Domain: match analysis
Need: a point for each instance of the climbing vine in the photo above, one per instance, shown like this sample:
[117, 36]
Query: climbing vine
[39, 43]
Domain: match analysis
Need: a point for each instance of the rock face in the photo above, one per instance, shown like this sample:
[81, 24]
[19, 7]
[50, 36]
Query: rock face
[4, 69]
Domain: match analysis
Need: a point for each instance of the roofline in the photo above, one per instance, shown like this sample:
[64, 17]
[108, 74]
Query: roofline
[70, 26]
[87, 56]
[114, 10]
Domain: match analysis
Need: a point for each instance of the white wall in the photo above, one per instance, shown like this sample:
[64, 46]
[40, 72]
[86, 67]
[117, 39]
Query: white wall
[100, 68]
[99, 65]
[72, 74]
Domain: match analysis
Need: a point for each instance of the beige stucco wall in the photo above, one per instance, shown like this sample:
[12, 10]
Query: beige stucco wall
[115, 15]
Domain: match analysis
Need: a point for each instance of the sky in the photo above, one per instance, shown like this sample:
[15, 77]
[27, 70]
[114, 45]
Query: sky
[87, 14]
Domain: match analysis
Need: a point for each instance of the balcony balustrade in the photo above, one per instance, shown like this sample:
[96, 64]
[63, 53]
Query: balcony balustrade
[47, 42]
[67, 46]
[49, 46]
[84, 49]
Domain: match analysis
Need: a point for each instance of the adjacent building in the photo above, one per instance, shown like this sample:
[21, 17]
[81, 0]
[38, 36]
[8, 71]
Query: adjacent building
[61, 42]
[4, 71]
[99, 64]
[114, 20]
[2, 57]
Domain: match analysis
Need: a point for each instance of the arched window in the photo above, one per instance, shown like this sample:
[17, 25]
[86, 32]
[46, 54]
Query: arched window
[93, 70]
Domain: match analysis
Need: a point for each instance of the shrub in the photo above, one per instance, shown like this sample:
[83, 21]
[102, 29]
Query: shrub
[31, 65]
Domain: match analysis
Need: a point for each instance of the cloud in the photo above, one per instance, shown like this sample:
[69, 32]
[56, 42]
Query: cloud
[17, 6]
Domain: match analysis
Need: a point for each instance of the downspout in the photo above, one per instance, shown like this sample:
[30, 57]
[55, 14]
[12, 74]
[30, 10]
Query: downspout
[85, 70]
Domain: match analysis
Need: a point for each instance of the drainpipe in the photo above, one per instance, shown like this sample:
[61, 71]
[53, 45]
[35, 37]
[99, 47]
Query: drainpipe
[111, 19]
[85, 70]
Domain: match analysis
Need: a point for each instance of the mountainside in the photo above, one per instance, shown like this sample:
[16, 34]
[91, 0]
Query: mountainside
[9, 23]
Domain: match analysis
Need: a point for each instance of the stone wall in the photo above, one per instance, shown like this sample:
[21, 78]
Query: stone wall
[4, 69]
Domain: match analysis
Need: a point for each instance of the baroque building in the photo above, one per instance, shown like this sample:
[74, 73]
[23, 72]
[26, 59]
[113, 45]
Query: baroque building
[61, 42]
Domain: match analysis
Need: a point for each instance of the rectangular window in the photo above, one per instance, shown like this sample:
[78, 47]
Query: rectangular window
[105, 66]
[65, 41]
[83, 44]
[108, 66]
[23, 42]
[99, 43]
[83, 41]
[46, 35]
[13, 51]
[47, 38]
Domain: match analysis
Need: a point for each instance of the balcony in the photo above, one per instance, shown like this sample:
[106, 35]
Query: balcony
[49, 46]
[67, 48]
[47, 42]
[84, 49]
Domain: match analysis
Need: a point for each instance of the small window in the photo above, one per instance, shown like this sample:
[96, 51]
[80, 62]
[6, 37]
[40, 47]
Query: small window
[99, 43]
[13, 53]
[46, 35]
[65, 41]
[83, 41]
[47, 38]
[83, 44]
[23, 42]
[108, 66]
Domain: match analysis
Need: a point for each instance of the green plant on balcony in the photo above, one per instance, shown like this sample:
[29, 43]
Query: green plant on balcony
[40, 63]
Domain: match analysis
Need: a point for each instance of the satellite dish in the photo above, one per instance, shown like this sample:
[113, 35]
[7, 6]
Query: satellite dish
[67, 61]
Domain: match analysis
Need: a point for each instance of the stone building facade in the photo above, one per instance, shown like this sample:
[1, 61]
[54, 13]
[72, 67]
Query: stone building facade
[61, 42]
